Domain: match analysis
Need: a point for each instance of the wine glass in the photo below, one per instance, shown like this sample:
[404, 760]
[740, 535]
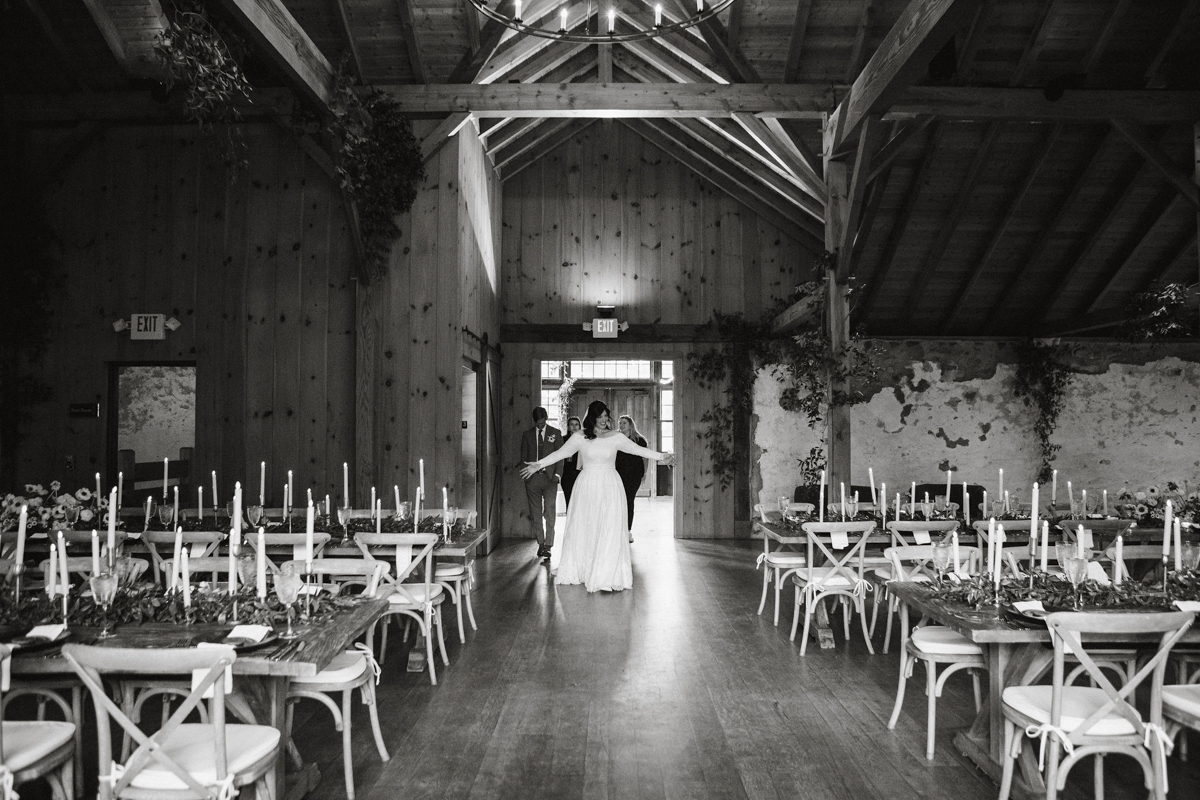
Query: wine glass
[1076, 568]
[72, 512]
[254, 515]
[104, 591]
[941, 559]
[166, 515]
[247, 568]
[1189, 555]
[287, 589]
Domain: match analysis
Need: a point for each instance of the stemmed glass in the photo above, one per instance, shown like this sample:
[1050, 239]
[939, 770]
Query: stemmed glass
[1076, 569]
[287, 589]
[254, 515]
[941, 559]
[166, 514]
[104, 591]
[72, 512]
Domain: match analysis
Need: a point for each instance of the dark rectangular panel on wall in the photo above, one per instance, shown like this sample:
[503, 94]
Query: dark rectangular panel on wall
[151, 223]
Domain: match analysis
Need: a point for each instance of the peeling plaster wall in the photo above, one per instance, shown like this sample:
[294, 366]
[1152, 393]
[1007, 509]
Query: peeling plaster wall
[1132, 417]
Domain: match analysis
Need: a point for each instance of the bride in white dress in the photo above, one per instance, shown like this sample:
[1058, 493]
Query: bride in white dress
[595, 546]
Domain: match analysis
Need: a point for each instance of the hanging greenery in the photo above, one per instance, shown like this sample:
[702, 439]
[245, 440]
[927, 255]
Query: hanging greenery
[378, 160]
[1042, 381]
[803, 362]
[205, 62]
[1164, 311]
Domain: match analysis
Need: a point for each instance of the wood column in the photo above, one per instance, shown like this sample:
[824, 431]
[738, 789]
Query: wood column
[837, 418]
[1196, 177]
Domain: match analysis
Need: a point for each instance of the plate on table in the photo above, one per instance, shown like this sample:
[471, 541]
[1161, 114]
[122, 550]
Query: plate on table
[243, 643]
[29, 644]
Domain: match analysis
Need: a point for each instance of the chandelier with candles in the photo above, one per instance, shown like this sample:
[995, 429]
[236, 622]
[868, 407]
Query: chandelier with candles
[595, 25]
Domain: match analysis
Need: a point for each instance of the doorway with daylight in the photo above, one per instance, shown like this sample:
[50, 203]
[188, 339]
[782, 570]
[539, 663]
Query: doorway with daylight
[643, 389]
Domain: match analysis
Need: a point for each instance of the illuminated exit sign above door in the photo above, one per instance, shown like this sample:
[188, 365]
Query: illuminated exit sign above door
[148, 326]
[604, 328]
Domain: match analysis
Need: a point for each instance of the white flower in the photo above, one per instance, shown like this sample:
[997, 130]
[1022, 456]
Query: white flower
[55, 486]
[1153, 491]
[1142, 510]
[83, 495]
[62, 500]
[1139, 496]
[87, 515]
[35, 502]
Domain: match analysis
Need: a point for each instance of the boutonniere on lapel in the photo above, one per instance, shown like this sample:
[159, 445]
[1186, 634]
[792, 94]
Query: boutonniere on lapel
[550, 438]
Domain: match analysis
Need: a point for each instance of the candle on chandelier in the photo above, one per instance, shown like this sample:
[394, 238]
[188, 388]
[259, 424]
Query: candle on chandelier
[612, 20]
[658, 16]
[517, 10]
[947, 486]
[562, 20]
[421, 466]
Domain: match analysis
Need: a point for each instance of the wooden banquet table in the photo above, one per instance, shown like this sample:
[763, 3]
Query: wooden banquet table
[1015, 655]
[267, 670]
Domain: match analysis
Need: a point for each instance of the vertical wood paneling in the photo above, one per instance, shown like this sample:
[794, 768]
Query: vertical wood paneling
[444, 392]
[149, 224]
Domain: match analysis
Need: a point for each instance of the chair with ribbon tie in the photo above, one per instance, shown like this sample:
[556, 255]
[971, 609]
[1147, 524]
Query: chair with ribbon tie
[1074, 722]
[351, 669]
[779, 564]
[842, 546]
[419, 599]
[933, 645]
[904, 533]
[179, 760]
[30, 750]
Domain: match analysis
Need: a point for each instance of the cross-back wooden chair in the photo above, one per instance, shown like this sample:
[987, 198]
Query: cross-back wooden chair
[778, 564]
[180, 760]
[1083, 721]
[420, 599]
[842, 575]
[457, 578]
[81, 566]
[932, 645]
[903, 533]
[296, 541]
[210, 541]
[32, 750]
[351, 669]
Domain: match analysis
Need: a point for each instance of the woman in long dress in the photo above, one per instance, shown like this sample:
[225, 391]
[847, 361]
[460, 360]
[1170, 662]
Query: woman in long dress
[595, 547]
[631, 468]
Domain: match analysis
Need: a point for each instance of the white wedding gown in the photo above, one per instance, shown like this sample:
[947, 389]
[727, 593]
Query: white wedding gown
[594, 548]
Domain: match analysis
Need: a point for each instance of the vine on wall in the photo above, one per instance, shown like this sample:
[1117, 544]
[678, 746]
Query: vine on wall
[1042, 382]
[1164, 311]
[803, 362]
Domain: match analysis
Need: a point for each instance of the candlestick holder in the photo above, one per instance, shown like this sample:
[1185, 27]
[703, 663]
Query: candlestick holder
[18, 571]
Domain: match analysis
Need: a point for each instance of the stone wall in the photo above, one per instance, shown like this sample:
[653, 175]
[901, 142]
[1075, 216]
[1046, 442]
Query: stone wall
[1131, 418]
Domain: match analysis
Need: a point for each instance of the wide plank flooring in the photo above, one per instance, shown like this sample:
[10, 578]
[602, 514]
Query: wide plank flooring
[676, 689]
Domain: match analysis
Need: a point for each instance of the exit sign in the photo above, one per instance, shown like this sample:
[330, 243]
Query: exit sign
[148, 326]
[604, 328]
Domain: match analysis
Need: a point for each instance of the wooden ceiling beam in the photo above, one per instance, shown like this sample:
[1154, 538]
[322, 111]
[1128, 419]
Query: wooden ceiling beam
[1159, 159]
[1033, 45]
[888, 153]
[470, 23]
[511, 134]
[1185, 15]
[791, 68]
[997, 235]
[791, 139]
[784, 151]
[547, 143]
[727, 52]
[855, 64]
[344, 16]
[948, 225]
[604, 62]
[1122, 260]
[284, 43]
[660, 61]
[1115, 15]
[408, 30]
[1076, 105]
[534, 135]
[1079, 178]
[912, 195]
[970, 44]
[448, 127]
[903, 56]
[850, 245]
[675, 143]
[491, 36]
[1160, 272]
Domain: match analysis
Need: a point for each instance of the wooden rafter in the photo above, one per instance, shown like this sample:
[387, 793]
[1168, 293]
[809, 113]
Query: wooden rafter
[1115, 15]
[912, 195]
[348, 34]
[888, 153]
[921, 30]
[1185, 15]
[533, 137]
[511, 134]
[285, 44]
[970, 43]
[1076, 105]
[677, 144]
[470, 23]
[796, 43]
[408, 30]
[692, 55]
[784, 152]
[868, 145]
[1029, 263]
[734, 32]
[545, 145]
[727, 52]
[670, 68]
[854, 64]
[448, 127]
[1122, 259]
[1159, 159]
[604, 62]
[1165, 264]
[1033, 46]
[760, 163]
[490, 37]
[790, 137]
[948, 226]
[997, 235]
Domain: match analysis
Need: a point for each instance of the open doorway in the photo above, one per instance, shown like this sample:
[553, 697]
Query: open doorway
[644, 390]
[153, 428]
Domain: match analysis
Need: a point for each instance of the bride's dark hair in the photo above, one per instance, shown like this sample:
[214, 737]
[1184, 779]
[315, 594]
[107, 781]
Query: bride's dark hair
[596, 409]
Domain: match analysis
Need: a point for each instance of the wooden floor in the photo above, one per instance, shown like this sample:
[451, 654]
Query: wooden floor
[676, 689]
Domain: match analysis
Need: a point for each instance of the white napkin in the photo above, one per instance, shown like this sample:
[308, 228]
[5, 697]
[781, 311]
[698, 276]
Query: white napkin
[839, 540]
[922, 537]
[49, 632]
[1025, 606]
[1188, 605]
[1095, 572]
[254, 633]
[198, 674]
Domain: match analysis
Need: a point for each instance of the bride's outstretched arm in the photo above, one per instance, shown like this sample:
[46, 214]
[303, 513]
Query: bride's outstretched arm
[626, 445]
[570, 448]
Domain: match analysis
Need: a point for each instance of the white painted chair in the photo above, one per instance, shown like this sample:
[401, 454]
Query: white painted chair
[842, 545]
[903, 533]
[779, 564]
[30, 750]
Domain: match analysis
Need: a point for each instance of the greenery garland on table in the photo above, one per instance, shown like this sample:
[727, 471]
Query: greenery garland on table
[1042, 382]
[204, 60]
[1056, 592]
[379, 163]
[804, 362]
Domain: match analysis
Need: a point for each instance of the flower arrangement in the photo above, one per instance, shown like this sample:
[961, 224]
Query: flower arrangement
[1149, 504]
[1057, 593]
[53, 509]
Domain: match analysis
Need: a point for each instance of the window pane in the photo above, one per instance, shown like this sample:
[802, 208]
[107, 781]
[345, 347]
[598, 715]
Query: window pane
[667, 406]
[550, 403]
[668, 370]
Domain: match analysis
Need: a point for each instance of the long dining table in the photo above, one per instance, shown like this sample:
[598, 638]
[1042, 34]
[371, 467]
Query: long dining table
[266, 671]
[1016, 654]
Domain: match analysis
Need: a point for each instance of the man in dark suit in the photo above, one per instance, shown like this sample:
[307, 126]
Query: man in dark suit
[541, 489]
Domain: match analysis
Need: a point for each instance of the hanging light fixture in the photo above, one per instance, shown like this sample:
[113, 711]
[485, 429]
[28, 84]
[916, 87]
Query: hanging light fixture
[601, 25]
